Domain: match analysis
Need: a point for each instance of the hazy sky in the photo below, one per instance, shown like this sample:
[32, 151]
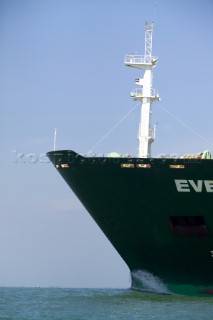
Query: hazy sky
[61, 66]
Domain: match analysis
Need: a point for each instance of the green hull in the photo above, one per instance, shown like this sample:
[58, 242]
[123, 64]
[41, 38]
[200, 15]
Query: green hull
[157, 213]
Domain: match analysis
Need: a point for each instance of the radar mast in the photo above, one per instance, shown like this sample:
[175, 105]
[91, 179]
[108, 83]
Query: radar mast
[145, 93]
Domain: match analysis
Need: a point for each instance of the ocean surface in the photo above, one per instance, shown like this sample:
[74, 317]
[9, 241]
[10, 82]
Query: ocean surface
[94, 304]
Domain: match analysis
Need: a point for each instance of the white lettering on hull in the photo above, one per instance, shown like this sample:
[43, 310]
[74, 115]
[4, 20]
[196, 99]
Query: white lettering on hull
[196, 186]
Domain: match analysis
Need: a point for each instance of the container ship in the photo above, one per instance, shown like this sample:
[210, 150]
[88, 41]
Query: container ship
[157, 212]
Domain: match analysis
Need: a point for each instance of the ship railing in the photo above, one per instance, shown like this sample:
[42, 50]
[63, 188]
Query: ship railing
[139, 59]
[138, 93]
[168, 156]
[197, 156]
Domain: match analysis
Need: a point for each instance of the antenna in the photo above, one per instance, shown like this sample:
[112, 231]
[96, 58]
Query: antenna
[155, 9]
[54, 143]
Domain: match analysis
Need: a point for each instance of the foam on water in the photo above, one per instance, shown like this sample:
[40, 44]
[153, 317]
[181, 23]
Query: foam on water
[146, 281]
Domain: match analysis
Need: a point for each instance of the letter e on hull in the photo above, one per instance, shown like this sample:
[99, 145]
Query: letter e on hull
[182, 186]
[209, 185]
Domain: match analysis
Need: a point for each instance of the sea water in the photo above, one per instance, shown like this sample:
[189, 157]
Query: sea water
[95, 304]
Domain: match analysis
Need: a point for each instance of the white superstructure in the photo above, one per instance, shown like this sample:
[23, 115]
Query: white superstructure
[145, 93]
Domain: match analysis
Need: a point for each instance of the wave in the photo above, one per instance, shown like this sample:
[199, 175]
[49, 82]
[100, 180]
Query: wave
[145, 281]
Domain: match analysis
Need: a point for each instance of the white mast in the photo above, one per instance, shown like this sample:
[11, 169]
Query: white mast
[145, 93]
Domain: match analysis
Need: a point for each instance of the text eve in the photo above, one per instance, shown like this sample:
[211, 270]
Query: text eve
[197, 185]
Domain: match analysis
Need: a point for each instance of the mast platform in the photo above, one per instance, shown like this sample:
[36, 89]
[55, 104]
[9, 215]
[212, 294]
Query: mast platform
[140, 61]
[138, 95]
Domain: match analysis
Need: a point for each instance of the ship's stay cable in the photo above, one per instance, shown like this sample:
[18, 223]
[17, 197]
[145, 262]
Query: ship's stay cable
[133, 109]
[185, 124]
[115, 126]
